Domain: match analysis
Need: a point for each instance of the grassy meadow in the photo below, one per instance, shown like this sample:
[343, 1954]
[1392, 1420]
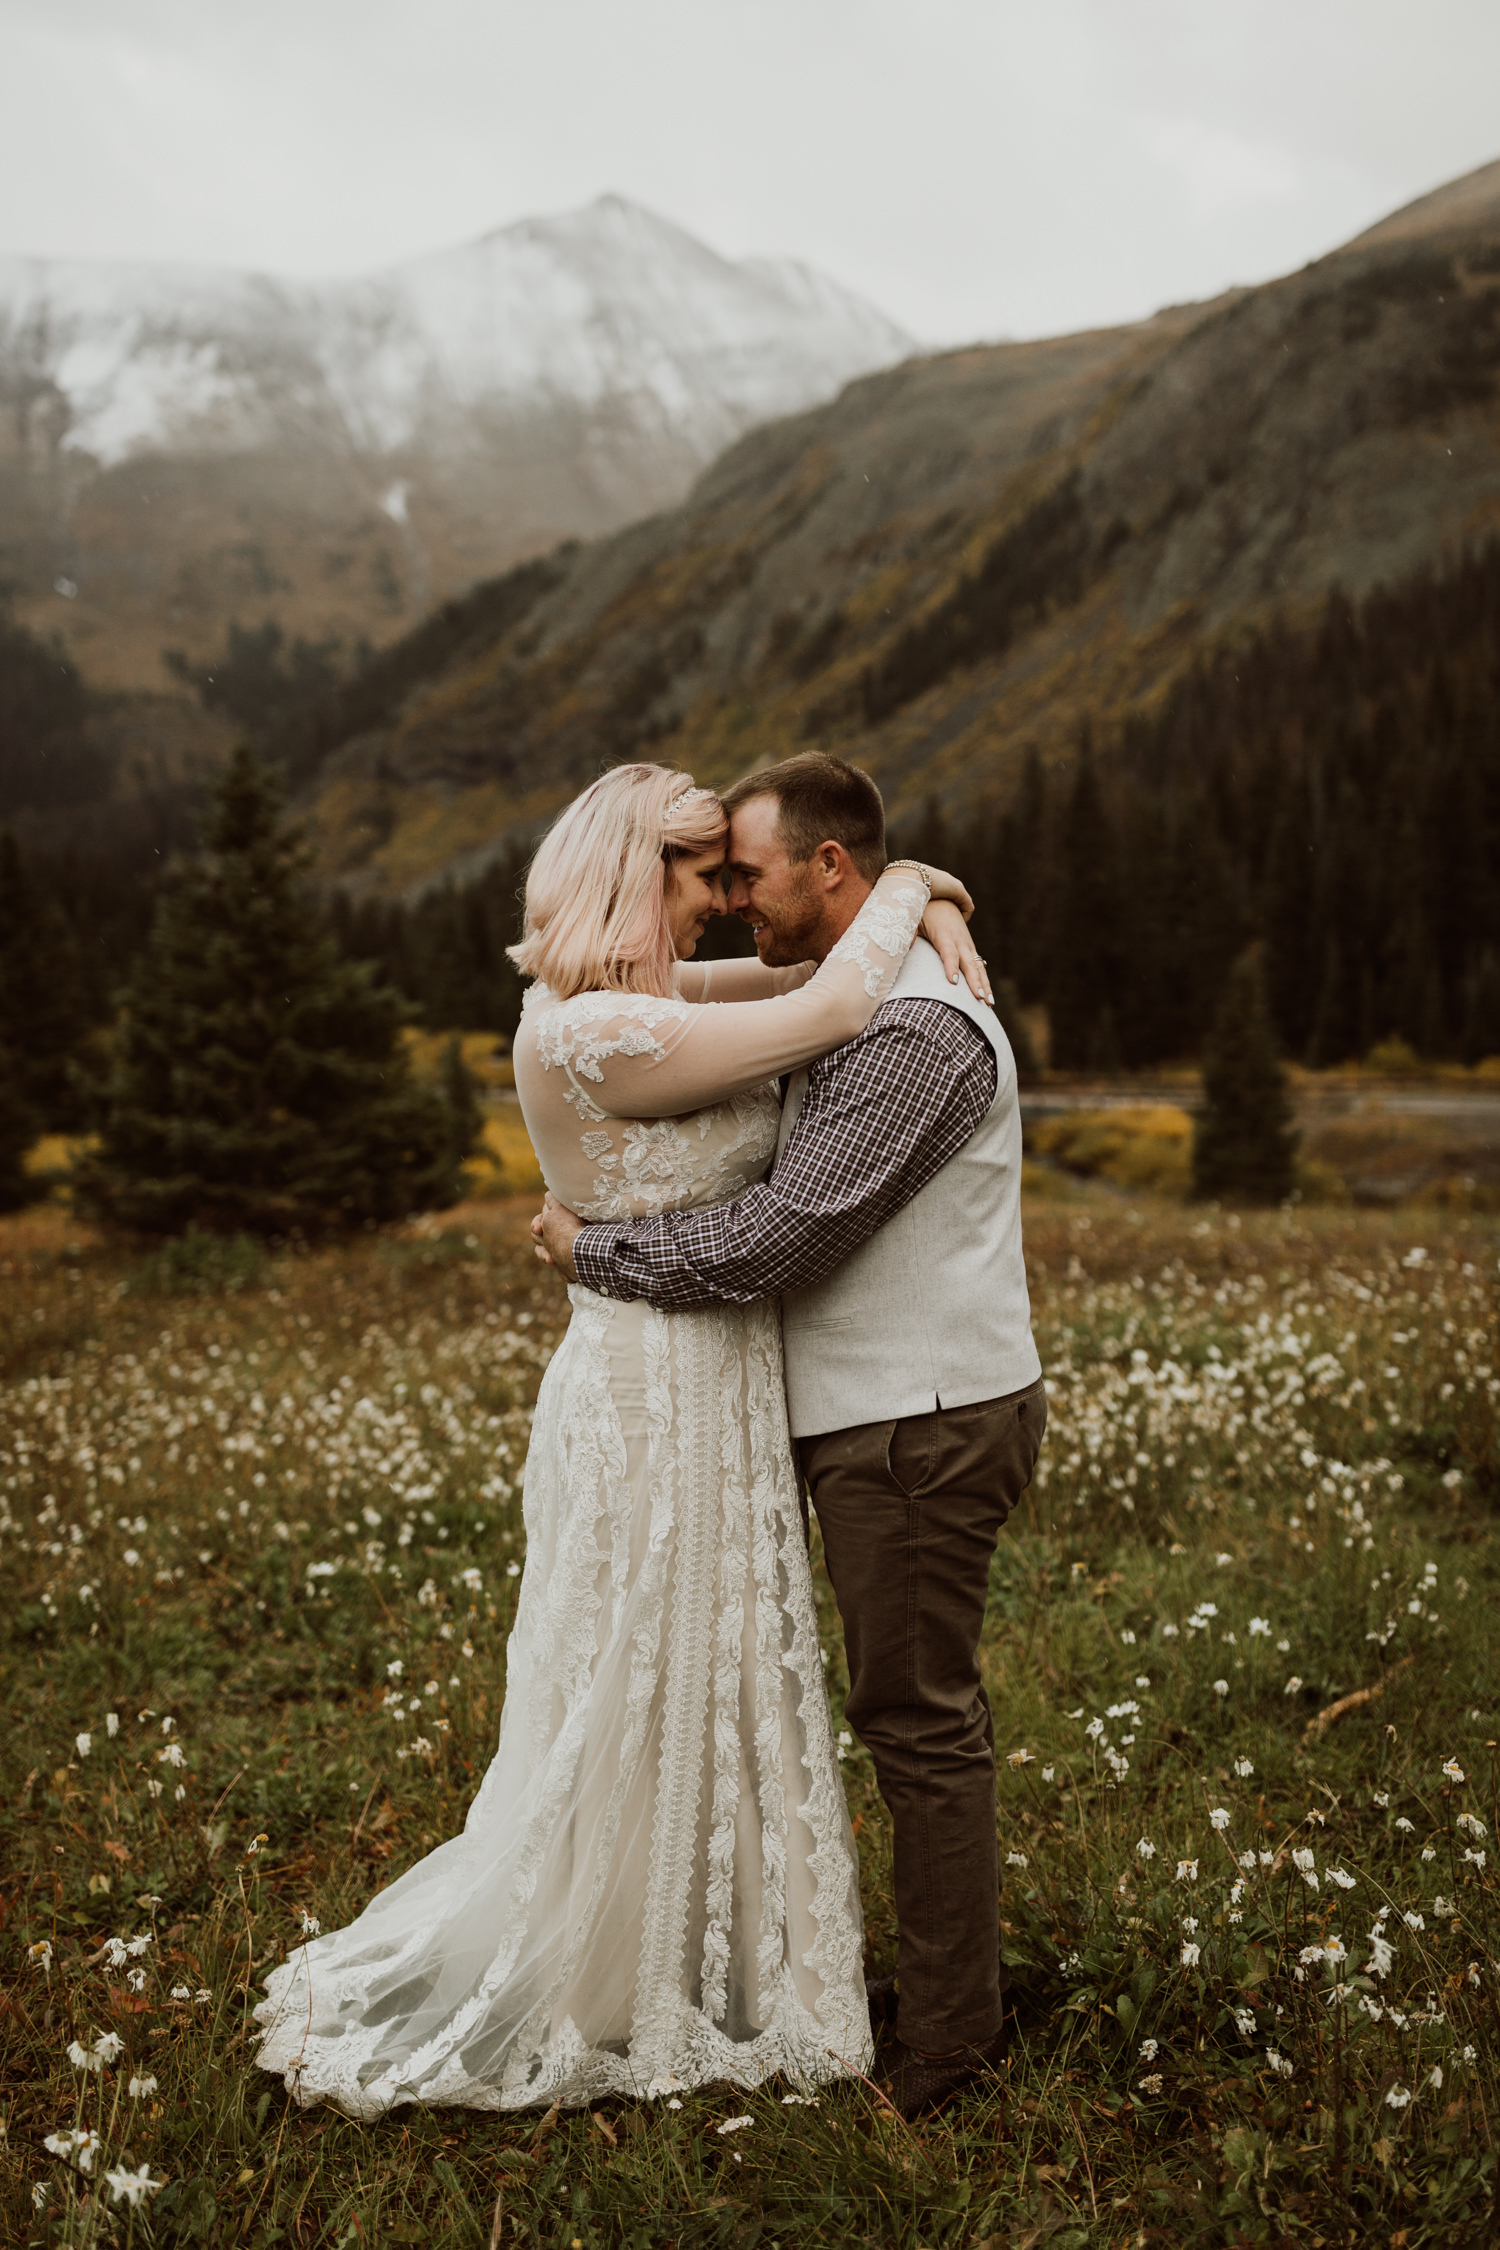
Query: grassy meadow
[259, 1549]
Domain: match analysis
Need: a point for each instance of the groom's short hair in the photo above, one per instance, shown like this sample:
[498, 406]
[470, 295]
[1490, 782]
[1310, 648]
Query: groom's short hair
[820, 799]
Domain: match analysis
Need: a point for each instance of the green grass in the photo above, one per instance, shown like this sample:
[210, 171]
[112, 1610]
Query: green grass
[234, 1497]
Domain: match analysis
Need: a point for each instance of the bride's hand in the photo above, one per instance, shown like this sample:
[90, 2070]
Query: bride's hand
[944, 927]
[945, 886]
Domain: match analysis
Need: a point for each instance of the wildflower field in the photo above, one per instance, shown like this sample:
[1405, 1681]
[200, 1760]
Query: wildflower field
[259, 1549]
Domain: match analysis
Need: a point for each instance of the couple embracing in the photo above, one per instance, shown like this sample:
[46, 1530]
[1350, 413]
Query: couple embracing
[786, 1195]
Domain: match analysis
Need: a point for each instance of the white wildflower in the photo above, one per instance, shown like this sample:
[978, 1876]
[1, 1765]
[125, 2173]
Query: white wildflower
[80, 2146]
[132, 2187]
[85, 1744]
[1191, 1954]
[1187, 1871]
[1453, 1770]
[1279, 2063]
[1398, 2096]
[1219, 1818]
[735, 2124]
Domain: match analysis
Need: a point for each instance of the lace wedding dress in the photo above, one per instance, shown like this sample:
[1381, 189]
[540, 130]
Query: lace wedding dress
[656, 1884]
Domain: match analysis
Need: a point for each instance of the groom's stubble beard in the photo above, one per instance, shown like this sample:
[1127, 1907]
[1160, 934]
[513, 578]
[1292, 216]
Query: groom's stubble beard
[797, 926]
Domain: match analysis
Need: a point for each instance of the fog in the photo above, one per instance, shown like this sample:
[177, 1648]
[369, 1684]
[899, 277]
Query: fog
[978, 167]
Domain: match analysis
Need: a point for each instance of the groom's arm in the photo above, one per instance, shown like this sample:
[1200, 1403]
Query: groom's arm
[879, 1119]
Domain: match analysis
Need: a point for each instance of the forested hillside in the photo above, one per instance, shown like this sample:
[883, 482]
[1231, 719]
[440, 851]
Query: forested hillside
[1175, 636]
[968, 558]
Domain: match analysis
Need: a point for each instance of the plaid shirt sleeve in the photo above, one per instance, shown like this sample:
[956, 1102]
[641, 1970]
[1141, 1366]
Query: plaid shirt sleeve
[880, 1117]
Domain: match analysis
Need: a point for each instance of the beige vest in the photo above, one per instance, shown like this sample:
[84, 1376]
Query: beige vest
[932, 1310]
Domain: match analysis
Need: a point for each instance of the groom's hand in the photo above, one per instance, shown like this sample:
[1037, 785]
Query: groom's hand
[554, 1231]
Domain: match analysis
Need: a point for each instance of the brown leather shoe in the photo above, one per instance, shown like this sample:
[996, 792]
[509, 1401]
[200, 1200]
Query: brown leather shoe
[915, 2085]
[881, 1994]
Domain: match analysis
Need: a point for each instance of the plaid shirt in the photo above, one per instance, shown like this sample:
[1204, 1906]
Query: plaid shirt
[880, 1117]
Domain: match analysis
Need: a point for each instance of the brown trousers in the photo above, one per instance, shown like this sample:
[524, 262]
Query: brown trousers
[910, 1511]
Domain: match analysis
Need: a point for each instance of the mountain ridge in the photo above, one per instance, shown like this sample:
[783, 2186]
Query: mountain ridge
[971, 554]
[190, 444]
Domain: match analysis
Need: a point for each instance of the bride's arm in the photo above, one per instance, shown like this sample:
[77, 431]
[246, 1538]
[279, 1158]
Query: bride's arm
[663, 1058]
[724, 981]
[944, 925]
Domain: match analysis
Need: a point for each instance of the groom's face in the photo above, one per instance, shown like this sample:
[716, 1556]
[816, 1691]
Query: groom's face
[784, 901]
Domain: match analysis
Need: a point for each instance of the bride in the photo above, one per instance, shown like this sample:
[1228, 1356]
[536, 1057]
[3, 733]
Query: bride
[656, 1883]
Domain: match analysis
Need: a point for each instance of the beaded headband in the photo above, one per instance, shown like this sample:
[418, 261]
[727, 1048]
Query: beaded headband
[683, 797]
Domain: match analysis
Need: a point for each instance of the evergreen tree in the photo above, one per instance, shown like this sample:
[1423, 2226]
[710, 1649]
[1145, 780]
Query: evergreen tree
[43, 1019]
[1086, 947]
[461, 1099]
[18, 1129]
[260, 1082]
[1244, 1145]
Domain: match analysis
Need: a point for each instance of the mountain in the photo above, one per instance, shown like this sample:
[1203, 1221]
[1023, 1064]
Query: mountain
[184, 447]
[959, 558]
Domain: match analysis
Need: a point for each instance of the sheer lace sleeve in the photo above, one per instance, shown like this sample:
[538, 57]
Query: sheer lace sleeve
[638, 1056]
[739, 980]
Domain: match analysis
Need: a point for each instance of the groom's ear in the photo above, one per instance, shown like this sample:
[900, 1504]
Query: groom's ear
[831, 865]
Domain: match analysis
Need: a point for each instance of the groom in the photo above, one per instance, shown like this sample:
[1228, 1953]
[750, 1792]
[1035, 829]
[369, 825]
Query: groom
[890, 1227]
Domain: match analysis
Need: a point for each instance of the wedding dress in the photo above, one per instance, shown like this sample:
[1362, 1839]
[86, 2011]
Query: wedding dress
[656, 1885]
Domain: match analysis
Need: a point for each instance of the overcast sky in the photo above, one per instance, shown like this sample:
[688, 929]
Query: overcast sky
[977, 167]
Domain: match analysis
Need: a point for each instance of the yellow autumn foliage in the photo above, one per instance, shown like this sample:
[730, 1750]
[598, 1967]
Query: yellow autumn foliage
[1144, 1146]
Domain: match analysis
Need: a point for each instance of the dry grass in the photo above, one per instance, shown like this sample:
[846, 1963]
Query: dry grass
[233, 1498]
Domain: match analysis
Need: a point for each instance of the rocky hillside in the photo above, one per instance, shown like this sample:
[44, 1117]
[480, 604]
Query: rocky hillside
[180, 448]
[958, 558]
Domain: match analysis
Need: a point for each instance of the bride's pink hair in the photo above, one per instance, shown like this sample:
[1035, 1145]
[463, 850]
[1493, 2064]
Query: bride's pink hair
[596, 896]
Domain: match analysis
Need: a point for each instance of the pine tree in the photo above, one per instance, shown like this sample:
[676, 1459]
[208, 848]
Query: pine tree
[461, 1099]
[260, 1082]
[1086, 946]
[1244, 1145]
[18, 1129]
[43, 1018]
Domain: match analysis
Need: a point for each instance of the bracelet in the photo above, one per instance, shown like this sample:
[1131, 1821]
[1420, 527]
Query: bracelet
[915, 867]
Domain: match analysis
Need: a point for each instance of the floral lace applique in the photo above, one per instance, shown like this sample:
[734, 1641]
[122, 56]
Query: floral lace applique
[889, 924]
[666, 1164]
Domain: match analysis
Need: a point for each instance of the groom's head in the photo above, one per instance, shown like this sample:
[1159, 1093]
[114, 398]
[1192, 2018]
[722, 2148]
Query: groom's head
[806, 842]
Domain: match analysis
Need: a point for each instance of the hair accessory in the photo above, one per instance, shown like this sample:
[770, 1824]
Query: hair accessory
[684, 797]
